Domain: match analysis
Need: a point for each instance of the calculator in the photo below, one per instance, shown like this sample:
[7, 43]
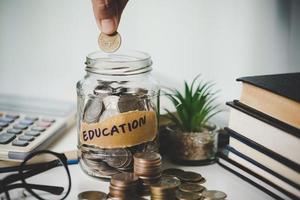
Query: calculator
[29, 124]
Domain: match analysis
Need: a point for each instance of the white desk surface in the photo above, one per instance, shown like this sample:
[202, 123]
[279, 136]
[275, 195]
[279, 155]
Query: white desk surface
[216, 177]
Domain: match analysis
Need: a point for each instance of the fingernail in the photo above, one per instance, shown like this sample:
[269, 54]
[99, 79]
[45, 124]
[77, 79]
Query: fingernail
[108, 26]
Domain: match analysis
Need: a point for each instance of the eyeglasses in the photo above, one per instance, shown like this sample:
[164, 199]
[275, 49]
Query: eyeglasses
[51, 186]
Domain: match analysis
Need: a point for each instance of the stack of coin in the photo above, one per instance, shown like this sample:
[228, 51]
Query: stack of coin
[147, 165]
[165, 189]
[123, 186]
[92, 195]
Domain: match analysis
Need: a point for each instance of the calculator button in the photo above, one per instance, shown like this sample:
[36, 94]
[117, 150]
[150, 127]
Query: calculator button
[6, 119]
[26, 137]
[48, 120]
[3, 124]
[20, 126]
[31, 118]
[33, 133]
[14, 131]
[26, 122]
[37, 128]
[44, 124]
[13, 116]
[21, 143]
[6, 138]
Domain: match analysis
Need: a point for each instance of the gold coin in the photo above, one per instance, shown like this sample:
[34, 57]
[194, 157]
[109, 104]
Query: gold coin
[147, 157]
[123, 178]
[166, 182]
[191, 187]
[187, 195]
[190, 177]
[92, 195]
[213, 195]
[109, 43]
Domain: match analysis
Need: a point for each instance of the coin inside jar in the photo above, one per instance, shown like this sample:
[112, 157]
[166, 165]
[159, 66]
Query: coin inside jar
[93, 109]
[109, 43]
[92, 195]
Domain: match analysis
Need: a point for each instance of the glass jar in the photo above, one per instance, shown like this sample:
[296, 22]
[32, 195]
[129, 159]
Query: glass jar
[117, 112]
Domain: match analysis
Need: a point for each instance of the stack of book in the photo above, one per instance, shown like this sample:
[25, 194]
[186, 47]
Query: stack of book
[264, 129]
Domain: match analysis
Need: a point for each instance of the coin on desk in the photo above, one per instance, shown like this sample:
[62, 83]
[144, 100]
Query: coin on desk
[190, 177]
[191, 187]
[109, 43]
[187, 195]
[214, 195]
[92, 195]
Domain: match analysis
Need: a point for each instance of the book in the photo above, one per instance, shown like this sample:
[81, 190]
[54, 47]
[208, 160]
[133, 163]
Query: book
[255, 156]
[275, 95]
[266, 174]
[253, 178]
[232, 152]
[266, 131]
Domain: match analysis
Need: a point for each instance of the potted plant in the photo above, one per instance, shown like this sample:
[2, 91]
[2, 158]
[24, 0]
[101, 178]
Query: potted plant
[193, 136]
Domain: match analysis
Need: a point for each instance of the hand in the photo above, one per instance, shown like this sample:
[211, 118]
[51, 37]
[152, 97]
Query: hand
[108, 14]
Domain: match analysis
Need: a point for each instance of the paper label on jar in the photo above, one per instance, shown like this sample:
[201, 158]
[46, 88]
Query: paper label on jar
[123, 130]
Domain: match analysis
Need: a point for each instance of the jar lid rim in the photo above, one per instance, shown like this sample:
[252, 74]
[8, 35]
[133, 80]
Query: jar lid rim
[133, 55]
[124, 62]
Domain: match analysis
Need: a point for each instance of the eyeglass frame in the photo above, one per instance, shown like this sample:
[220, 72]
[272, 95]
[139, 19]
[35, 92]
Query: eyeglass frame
[20, 176]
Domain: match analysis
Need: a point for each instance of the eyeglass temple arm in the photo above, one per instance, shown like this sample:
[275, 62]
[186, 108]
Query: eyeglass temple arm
[34, 171]
[47, 188]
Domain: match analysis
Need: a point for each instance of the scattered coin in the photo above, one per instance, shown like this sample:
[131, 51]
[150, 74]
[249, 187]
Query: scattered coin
[187, 195]
[191, 187]
[92, 195]
[214, 195]
[166, 182]
[190, 177]
[109, 43]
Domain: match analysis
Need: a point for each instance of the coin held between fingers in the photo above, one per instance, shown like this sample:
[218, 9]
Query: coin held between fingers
[109, 43]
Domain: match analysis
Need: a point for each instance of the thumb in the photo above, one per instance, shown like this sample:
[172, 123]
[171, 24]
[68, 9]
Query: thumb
[108, 14]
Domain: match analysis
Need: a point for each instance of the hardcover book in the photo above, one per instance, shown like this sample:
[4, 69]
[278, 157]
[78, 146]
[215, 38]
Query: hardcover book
[275, 95]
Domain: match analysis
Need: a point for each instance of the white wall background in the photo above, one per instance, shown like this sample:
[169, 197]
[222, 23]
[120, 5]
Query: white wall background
[43, 43]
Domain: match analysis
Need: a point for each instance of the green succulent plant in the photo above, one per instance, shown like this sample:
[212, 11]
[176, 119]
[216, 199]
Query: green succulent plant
[194, 107]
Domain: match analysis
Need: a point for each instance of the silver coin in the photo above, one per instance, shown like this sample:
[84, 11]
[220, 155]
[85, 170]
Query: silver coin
[111, 102]
[108, 114]
[117, 157]
[93, 109]
[92, 195]
[129, 102]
